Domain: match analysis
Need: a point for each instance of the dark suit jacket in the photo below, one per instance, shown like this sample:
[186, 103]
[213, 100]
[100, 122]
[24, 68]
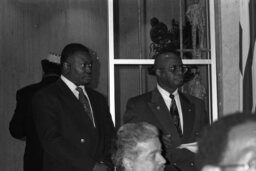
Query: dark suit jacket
[68, 137]
[22, 125]
[150, 107]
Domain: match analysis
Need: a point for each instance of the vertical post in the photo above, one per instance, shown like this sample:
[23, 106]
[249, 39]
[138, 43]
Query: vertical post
[181, 28]
[111, 57]
[213, 62]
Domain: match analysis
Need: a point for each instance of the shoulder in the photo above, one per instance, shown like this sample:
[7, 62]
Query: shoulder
[190, 98]
[29, 87]
[93, 93]
[28, 90]
[141, 98]
[48, 90]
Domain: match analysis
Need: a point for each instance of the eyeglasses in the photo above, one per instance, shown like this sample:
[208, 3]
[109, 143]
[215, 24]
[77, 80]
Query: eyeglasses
[250, 165]
[178, 68]
[86, 65]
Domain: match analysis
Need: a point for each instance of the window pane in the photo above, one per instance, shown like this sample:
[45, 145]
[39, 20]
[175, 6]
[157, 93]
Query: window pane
[146, 27]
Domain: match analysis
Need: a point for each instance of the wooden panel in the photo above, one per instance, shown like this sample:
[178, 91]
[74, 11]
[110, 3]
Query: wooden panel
[29, 30]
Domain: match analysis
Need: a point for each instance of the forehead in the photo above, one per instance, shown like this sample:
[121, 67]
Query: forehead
[81, 56]
[241, 140]
[168, 59]
[243, 132]
[149, 146]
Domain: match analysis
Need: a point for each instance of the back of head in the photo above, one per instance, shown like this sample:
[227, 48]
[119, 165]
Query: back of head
[213, 144]
[128, 136]
[51, 65]
[71, 49]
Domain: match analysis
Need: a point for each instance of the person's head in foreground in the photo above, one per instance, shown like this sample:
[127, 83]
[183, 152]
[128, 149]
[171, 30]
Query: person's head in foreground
[138, 148]
[229, 144]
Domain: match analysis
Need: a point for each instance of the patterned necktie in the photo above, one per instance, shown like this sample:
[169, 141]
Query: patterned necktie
[175, 115]
[83, 99]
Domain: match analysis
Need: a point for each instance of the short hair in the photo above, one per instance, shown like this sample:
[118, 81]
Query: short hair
[71, 49]
[213, 142]
[50, 67]
[158, 60]
[128, 136]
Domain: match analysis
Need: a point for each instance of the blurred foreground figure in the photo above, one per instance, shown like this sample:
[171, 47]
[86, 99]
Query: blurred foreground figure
[138, 148]
[229, 144]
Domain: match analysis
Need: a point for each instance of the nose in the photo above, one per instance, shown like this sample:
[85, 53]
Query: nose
[179, 71]
[88, 69]
[161, 159]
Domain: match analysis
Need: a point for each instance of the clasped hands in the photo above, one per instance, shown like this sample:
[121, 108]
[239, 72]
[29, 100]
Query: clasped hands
[193, 147]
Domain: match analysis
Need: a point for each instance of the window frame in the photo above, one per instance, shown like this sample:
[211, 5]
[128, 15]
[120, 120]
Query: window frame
[209, 62]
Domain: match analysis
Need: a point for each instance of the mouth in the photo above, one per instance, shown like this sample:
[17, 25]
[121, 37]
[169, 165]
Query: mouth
[179, 79]
[161, 168]
[87, 78]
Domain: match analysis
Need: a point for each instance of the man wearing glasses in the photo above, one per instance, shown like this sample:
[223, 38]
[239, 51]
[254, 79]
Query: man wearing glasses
[178, 116]
[229, 144]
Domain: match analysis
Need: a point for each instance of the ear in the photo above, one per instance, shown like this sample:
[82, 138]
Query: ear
[210, 168]
[127, 163]
[158, 72]
[66, 66]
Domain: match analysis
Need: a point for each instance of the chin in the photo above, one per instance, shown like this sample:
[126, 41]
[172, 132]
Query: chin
[86, 83]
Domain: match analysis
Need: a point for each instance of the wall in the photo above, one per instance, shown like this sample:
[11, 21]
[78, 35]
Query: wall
[229, 56]
[29, 30]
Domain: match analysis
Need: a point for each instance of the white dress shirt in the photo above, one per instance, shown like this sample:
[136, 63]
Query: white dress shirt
[72, 87]
[166, 96]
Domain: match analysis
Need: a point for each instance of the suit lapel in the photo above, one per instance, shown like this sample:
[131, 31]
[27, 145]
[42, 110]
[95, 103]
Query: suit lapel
[188, 112]
[76, 109]
[159, 108]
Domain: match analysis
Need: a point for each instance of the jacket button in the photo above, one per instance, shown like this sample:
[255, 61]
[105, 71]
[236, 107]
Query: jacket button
[174, 164]
[191, 164]
[82, 140]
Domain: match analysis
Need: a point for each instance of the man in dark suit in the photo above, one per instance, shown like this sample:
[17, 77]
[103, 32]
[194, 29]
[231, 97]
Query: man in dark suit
[22, 124]
[178, 116]
[73, 122]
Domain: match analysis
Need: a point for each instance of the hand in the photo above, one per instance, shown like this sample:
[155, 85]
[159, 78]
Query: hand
[167, 141]
[193, 147]
[101, 167]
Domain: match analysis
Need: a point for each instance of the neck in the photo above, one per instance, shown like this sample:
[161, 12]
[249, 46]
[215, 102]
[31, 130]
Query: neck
[50, 75]
[170, 90]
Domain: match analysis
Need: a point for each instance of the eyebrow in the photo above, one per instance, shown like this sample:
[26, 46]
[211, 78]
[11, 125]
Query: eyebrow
[156, 150]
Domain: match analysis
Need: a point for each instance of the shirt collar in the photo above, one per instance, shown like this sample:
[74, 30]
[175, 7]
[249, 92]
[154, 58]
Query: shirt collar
[166, 93]
[69, 83]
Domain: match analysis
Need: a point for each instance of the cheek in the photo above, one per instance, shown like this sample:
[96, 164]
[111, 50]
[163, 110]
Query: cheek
[143, 164]
[79, 71]
[146, 166]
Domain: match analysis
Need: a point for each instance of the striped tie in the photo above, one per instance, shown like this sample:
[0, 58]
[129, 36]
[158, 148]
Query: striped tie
[175, 115]
[84, 101]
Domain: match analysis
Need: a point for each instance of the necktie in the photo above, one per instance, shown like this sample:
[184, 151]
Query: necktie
[83, 99]
[175, 115]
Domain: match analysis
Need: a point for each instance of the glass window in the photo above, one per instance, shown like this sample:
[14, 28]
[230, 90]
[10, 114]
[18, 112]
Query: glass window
[143, 28]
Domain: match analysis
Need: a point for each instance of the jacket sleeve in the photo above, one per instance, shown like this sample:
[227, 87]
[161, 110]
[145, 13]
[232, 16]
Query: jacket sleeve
[17, 125]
